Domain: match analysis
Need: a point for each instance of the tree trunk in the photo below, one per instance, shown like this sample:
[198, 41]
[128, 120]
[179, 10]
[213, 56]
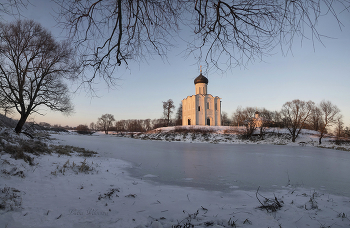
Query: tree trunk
[294, 136]
[20, 123]
[321, 136]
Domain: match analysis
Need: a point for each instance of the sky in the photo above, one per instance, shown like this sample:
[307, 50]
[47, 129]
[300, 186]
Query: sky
[313, 71]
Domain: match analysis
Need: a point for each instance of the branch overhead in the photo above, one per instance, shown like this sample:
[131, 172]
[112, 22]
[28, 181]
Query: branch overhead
[111, 33]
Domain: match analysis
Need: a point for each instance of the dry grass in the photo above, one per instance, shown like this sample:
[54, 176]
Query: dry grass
[17, 152]
[109, 194]
[10, 199]
[180, 129]
[68, 150]
[84, 167]
[20, 148]
[234, 130]
[270, 205]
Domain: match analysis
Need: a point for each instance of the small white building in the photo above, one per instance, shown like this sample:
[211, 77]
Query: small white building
[202, 108]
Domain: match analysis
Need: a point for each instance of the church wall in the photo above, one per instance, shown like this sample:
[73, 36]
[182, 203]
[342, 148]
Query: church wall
[188, 110]
[208, 109]
[213, 111]
[200, 115]
[217, 111]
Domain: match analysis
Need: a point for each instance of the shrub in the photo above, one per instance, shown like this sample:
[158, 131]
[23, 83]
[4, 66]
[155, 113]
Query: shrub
[17, 153]
[203, 130]
[10, 199]
[83, 129]
[34, 147]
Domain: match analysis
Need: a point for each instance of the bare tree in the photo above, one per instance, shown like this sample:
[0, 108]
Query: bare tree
[346, 132]
[238, 117]
[315, 120]
[250, 127]
[295, 114]
[32, 68]
[157, 123]
[105, 122]
[92, 126]
[135, 125]
[111, 33]
[120, 125]
[263, 120]
[147, 125]
[329, 115]
[168, 107]
[276, 119]
[179, 115]
[83, 129]
[245, 117]
[339, 126]
[225, 120]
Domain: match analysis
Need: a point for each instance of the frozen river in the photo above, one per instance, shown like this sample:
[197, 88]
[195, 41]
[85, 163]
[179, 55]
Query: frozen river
[225, 167]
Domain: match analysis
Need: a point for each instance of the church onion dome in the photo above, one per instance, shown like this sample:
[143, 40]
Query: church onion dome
[201, 79]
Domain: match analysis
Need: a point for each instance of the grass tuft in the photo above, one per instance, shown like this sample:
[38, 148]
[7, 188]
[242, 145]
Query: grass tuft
[10, 199]
[67, 166]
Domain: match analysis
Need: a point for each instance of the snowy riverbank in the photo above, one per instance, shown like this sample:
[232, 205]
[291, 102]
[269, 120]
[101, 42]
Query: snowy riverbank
[106, 196]
[232, 135]
[60, 190]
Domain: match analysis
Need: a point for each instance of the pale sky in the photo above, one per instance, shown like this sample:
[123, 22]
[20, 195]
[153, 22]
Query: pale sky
[305, 74]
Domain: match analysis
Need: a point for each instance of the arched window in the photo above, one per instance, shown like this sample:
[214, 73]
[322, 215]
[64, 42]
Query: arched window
[208, 122]
[189, 122]
[207, 105]
[199, 108]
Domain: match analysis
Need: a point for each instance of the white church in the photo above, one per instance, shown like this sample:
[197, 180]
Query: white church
[201, 108]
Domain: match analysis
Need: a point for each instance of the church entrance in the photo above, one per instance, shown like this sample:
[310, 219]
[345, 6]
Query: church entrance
[189, 122]
[208, 122]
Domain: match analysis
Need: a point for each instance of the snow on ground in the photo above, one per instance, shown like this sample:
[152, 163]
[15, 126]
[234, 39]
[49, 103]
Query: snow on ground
[106, 196]
[231, 135]
[74, 191]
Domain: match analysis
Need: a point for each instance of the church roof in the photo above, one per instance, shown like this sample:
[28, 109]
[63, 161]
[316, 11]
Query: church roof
[201, 79]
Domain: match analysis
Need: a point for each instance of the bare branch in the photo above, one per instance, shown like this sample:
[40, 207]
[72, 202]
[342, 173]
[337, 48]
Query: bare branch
[110, 33]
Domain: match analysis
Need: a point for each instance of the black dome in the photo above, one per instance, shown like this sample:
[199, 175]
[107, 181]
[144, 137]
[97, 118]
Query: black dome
[201, 79]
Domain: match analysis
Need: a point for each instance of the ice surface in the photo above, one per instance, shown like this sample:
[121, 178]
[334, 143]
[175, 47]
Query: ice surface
[108, 196]
[219, 166]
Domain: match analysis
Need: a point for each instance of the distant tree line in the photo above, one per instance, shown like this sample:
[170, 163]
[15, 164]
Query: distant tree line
[132, 125]
[108, 123]
[294, 115]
